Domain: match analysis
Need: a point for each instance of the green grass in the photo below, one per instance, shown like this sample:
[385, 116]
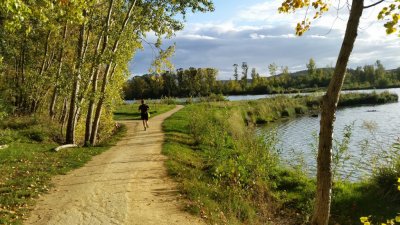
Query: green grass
[354, 200]
[131, 112]
[231, 176]
[26, 170]
[353, 99]
[228, 175]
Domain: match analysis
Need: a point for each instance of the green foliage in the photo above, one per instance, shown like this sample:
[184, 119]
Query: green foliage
[385, 179]
[197, 82]
[230, 175]
[55, 54]
[184, 83]
[213, 98]
[7, 136]
[365, 98]
[377, 196]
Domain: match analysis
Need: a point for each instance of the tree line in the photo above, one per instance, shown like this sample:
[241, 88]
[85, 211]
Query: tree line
[203, 81]
[68, 59]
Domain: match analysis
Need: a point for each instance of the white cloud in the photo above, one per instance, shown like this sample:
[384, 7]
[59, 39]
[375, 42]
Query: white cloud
[196, 37]
[259, 36]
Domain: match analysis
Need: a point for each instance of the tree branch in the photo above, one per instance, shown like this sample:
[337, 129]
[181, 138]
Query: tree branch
[376, 3]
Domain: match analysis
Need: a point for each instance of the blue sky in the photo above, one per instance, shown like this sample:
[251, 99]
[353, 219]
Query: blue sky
[254, 32]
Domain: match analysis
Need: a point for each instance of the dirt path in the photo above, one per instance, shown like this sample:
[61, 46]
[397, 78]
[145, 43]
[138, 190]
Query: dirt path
[128, 184]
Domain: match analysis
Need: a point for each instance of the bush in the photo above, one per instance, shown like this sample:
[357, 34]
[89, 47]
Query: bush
[352, 99]
[313, 102]
[189, 100]
[385, 179]
[28, 129]
[35, 134]
[19, 122]
[300, 109]
[213, 98]
[168, 100]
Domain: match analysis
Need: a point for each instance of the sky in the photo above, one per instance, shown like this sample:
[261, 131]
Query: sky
[253, 31]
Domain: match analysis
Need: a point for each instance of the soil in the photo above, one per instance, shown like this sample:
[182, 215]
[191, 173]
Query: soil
[128, 184]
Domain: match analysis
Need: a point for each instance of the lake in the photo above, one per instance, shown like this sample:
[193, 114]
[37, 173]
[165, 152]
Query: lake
[374, 130]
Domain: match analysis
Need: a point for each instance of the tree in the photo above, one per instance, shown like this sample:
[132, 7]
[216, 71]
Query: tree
[245, 69]
[329, 100]
[254, 77]
[311, 67]
[53, 51]
[235, 73]
[272, 68]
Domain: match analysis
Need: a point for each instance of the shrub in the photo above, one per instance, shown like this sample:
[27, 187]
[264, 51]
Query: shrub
[300, 109]
[351, 99]
[213, 98]
[168, 100]
[19, 122]
[35, 134]
[385, 179]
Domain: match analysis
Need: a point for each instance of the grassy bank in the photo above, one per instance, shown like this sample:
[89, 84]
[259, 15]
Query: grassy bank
[28, 164]
[131, 112]
[355, 99]
[231, 176]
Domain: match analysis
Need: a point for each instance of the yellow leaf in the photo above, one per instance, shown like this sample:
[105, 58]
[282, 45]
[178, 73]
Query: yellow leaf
[363, 219]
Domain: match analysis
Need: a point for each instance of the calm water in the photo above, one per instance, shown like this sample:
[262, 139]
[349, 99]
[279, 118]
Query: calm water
[375, 129]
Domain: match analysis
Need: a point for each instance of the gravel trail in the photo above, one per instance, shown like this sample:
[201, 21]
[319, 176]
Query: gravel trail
[128, 184]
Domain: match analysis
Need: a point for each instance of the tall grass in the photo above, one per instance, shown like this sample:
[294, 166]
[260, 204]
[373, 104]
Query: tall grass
[230, 175]
[352, 99]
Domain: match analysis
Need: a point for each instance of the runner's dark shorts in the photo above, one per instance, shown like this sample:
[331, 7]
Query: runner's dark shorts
[144, 116]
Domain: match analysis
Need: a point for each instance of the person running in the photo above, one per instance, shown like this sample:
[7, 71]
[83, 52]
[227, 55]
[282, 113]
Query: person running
[144, 114]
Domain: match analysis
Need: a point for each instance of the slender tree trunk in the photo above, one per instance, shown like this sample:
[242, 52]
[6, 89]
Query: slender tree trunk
[97, 65]
[94, 77]
[70, 132]
[37, 95]
[59, 69]
[64, 114]
[89, 136]
[96, 121]
[328, 109]
[81, 96]
[64, 111]
[113, 72]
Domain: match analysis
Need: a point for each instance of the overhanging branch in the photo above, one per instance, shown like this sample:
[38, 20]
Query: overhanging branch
[376, 3]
